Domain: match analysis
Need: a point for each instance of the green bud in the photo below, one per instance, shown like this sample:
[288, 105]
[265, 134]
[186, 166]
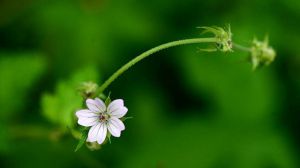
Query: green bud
[88, 89]
[224, 37]
[93, 146]
[261, 53]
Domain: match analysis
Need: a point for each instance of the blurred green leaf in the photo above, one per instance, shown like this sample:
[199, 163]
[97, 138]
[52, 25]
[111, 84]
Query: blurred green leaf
[18, 73]
[60, 107]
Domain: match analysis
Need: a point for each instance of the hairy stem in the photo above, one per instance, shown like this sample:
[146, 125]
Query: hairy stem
[148, 53]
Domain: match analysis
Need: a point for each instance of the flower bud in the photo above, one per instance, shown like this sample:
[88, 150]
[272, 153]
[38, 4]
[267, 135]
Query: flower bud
[93, 146]
[87, 89]
[261, 53]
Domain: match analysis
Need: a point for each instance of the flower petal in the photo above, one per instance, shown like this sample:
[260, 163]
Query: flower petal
[117, 108]
[96, 105]
[87, 118]
[118, 112]
[102, 133]
[86, 113]
[97, 133]
[115, 105]
[91, 104]
[87, 122]
[114, 130]
[100, 104]
[92, 135]
[117, 123]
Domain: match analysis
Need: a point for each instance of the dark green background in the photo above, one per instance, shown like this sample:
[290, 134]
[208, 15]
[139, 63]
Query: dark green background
[190, 108]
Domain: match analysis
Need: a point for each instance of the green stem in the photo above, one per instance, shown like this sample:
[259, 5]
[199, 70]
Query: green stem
[240, 47]
[148, 53]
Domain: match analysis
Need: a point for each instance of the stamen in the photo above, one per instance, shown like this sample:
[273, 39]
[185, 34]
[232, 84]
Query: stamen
[103, 117]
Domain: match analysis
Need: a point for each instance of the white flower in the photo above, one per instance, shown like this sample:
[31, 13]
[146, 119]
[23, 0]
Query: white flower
[101, 118]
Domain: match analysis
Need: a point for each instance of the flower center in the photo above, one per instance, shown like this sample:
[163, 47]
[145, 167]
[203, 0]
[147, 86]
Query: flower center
[103, 117]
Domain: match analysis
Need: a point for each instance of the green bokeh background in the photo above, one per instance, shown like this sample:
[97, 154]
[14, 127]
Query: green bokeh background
[190, 108]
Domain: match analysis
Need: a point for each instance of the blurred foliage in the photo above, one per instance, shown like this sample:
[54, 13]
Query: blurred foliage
[17, 80]
[59, 107]
[18, 73]
[190, 109]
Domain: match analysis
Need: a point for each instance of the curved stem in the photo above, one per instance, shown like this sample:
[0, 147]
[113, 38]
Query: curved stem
[148, 53]
[240, 47]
